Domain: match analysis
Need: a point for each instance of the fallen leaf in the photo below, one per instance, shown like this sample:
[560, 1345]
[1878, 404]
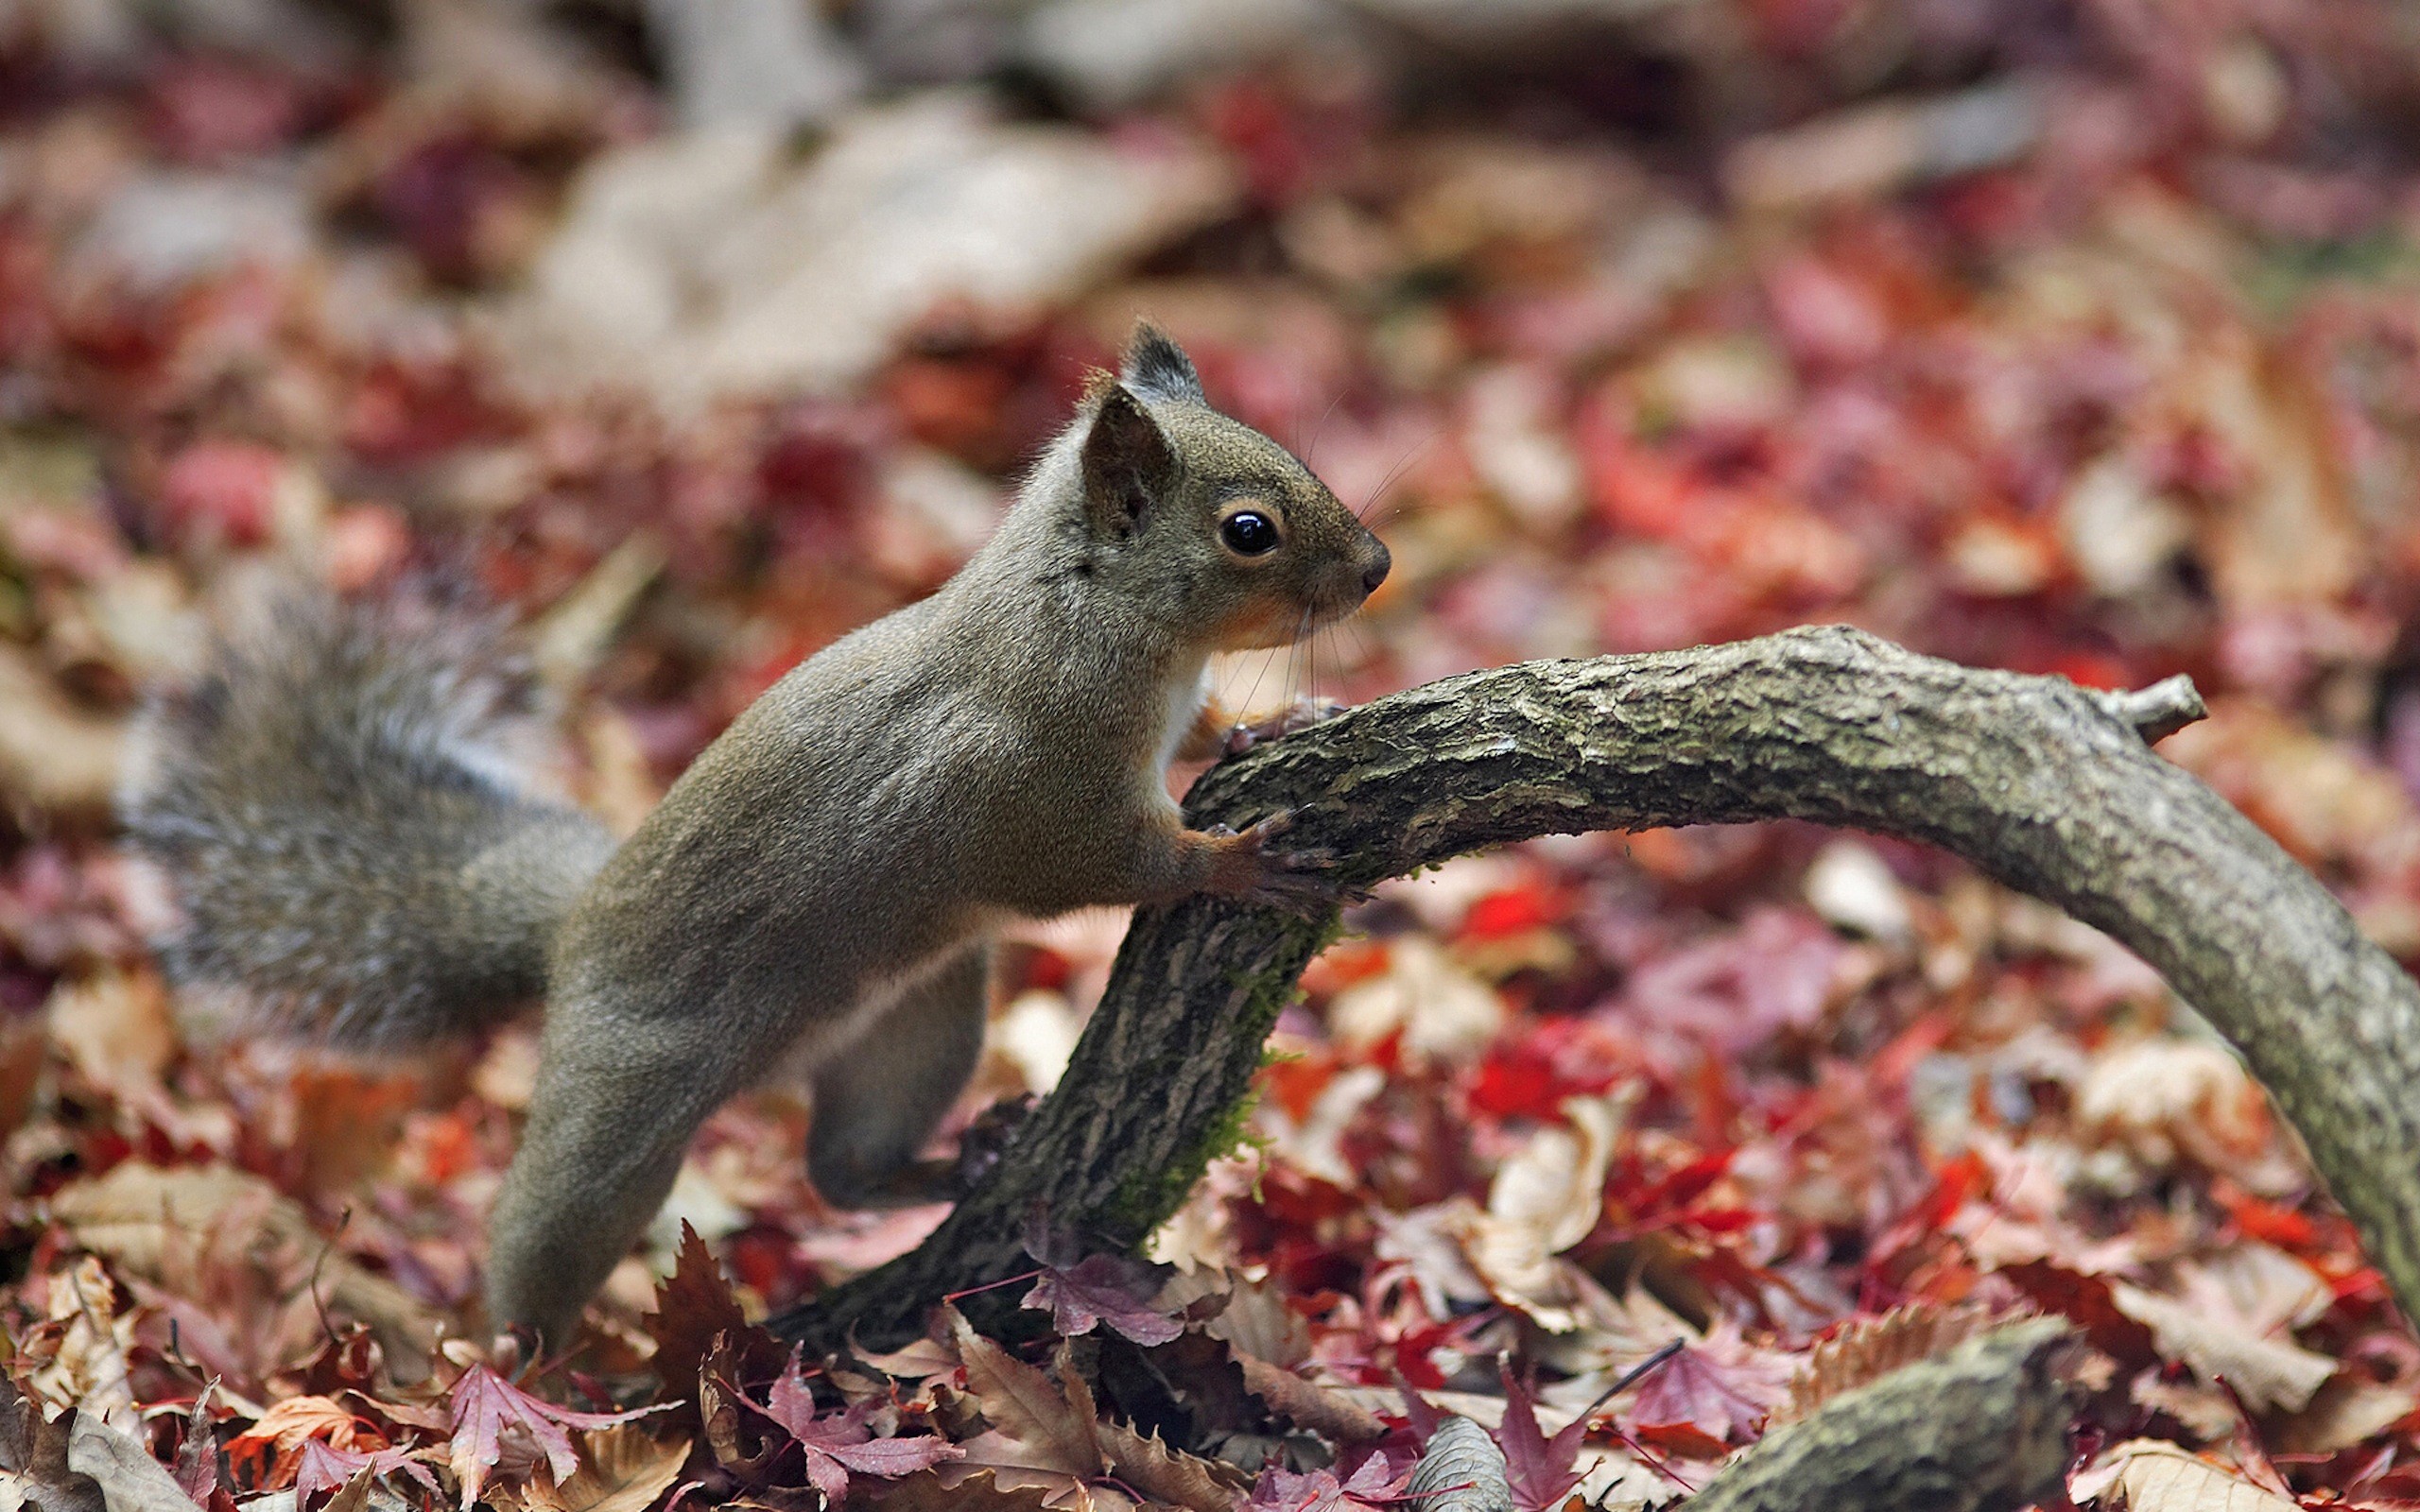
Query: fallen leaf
[143, 1215]
[1165, 1474]
[621, 1469]
[53, 754]
[268, 1453]
[2153, 1475]
[836, 1444]
[1309, 1404]
[1720, 1387]
[1537, 1469]
[115, 1028]
[1118, 1290]
[694, 1306]
[87, 1368]
[2266, 1372]
[1058, 1430]
[1547, 1197]
[970, 1493]
[129, 1476]
[1461, 1471]
[1368, 1487]
[486, 1407]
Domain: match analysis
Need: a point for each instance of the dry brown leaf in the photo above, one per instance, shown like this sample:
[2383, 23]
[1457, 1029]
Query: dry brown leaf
[1043, 1428]
[2266, 1372]
[88, 1366]
[2151, 1475]
[144, 1216]
[621, 1469]
[977, 1492]
[2165, 1096]
[1309, 1404]
[1254, 1319]
[53, 755]
[1165, 1474]
[1871, 1348]
[2346, 1411]
[115, 1028]
[353, 1495]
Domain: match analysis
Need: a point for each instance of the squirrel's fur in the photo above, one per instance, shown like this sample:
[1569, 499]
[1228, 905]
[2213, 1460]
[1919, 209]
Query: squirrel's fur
[340, 803]
[336, 804]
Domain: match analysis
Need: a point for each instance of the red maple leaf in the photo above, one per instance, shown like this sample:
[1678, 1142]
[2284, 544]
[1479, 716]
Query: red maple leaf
[325, 1467]
[1538, 1468]
[1117, 1290]
[487, 1406]
[839, 1443]
[1697, 1389]
[1320, 1491]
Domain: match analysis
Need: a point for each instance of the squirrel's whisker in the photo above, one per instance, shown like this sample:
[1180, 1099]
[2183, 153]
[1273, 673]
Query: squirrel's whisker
[1395, 473]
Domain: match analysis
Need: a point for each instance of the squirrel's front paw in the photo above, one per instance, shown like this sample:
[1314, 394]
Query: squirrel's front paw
[1299, 880]
[1300, 714]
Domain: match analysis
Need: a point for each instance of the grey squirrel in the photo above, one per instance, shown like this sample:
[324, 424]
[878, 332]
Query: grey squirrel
[350, 834]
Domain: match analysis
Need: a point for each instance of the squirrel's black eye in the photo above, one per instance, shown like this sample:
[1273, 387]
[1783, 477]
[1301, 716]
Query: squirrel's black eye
[1248, 533]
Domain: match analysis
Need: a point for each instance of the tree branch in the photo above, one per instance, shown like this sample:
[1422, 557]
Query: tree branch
[1983, 1429]
[2044, 786]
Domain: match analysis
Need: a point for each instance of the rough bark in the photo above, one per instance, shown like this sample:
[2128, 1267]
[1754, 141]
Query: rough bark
[2048, 787]
[1983, 1429]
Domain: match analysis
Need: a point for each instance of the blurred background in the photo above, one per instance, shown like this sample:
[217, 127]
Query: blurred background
[2067, 335]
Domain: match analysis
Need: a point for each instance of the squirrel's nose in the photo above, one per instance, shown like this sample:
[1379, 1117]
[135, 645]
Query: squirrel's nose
[1375, 572]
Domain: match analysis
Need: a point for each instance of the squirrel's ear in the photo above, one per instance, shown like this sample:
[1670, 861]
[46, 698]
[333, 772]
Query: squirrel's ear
[1127, 463]
[1159, 366]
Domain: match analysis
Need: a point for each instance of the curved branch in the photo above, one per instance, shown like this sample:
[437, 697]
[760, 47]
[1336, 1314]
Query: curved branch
[1982, 1429]
[2044, 786]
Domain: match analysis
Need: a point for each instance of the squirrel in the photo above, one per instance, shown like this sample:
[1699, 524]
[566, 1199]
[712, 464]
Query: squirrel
[343, 808]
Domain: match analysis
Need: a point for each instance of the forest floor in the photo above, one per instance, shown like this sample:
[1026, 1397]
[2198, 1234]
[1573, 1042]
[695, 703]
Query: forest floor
[2129, 390]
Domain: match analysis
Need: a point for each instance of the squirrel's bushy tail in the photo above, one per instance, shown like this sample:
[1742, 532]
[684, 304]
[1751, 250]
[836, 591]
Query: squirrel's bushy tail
[339, 803]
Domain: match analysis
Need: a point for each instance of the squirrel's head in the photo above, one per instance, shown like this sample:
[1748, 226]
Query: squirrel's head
[1211, 516]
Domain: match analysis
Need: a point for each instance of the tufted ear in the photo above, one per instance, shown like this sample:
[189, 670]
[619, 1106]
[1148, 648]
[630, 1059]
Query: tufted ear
[1127, 464]
[1158, 366]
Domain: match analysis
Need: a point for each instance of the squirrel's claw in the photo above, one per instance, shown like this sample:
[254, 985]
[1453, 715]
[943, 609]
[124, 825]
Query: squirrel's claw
[1298, 880]
[1300, 714]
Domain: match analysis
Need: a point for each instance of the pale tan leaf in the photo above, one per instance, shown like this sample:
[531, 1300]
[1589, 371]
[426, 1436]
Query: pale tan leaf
[145, 1217]
[2348, 1410]
[353, 1495]
[53, 754]
[621, 1469]
[1444, 1013]
[2265, 1371]
[115, 1028]
[1545, 1197]
[88, 1367]
[2151, 1475]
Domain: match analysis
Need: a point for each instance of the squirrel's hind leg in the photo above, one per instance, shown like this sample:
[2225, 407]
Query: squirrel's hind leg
[878, 1098]
[610, 1119]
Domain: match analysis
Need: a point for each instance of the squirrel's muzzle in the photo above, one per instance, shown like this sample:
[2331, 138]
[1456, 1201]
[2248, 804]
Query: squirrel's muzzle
[1381, 560]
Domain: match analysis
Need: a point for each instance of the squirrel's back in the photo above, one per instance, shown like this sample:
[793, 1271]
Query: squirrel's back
[341, 804]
